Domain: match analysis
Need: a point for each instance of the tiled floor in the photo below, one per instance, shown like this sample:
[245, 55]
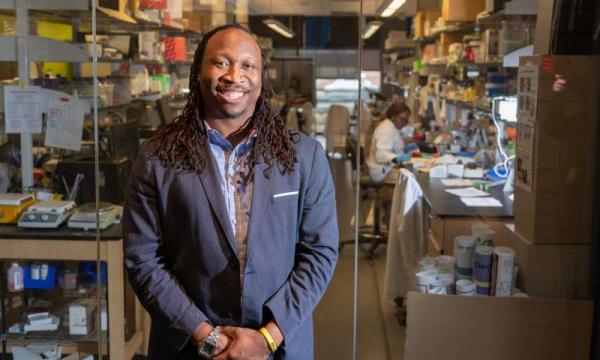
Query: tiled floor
[380, 336]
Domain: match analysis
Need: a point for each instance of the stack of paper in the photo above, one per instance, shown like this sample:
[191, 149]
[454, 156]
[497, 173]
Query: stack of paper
[457, 182]
[481, 202]
[467, 192]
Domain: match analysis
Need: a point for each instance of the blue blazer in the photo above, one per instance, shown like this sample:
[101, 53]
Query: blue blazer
[180, 252]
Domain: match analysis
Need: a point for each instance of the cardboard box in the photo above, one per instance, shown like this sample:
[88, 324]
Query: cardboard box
[461, 10]
[490, 328]
[424, 21]
[102, 69]
[556, 149]
[197, 20]
[551, 271]
[446, 39]
[81, 317]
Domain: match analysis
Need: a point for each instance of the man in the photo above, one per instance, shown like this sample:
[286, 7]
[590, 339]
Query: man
[229, 224]
[387, 146]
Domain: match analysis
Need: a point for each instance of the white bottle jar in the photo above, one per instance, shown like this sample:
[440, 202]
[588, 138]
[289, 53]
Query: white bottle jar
[15, 278]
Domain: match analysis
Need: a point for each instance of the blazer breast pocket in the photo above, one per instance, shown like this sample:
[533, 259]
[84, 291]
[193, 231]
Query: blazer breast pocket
[285, 198]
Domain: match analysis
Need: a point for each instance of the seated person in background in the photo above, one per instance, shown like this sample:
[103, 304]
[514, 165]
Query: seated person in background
[387, 147]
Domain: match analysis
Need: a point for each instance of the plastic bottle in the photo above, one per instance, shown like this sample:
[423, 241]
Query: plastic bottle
[15, 278]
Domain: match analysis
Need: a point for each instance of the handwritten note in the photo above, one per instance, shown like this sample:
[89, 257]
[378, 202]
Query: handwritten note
[64, 123]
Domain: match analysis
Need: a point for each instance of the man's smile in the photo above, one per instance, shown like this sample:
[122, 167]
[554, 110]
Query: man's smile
[231, 95]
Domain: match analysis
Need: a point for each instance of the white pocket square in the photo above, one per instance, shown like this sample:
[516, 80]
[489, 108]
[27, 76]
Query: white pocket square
[280, 195]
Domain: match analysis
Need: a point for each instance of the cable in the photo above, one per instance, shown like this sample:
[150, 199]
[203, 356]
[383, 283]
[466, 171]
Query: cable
[506, 158]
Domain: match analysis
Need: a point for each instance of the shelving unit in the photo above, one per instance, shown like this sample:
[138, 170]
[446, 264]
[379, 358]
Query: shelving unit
[81, 246]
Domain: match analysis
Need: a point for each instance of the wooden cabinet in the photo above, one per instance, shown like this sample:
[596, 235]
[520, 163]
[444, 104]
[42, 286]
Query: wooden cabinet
[442, 230]
[117, 345]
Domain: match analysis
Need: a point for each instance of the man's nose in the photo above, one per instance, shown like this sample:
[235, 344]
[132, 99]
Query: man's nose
[233, 74]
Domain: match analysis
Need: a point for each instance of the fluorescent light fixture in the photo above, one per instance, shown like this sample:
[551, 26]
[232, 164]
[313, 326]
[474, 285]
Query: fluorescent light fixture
[279, 27]
[372, 27]
[389, 7]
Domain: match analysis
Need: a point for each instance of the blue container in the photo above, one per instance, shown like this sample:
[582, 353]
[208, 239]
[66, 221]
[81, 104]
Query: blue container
[87, 272]
[49, 283]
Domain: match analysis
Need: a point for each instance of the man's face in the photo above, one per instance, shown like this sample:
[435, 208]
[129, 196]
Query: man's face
[230, 75]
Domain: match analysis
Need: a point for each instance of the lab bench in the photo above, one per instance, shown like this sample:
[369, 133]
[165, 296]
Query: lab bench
[448, 217]
[65, 244]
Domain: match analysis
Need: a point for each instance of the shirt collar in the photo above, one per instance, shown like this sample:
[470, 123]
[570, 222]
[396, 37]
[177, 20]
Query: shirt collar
[215, 138]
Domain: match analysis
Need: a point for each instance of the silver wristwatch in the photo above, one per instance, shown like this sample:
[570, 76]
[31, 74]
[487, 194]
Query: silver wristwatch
[207, 348]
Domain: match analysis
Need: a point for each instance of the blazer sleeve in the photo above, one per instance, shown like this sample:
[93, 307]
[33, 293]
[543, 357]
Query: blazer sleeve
[316, 251]
[157, 289]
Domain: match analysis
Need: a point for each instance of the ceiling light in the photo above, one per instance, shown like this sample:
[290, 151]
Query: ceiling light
[279, 27]
[389, 7]
[372, 27]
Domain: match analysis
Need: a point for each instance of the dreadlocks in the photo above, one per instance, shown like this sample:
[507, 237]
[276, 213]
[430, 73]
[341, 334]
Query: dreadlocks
[184, 144]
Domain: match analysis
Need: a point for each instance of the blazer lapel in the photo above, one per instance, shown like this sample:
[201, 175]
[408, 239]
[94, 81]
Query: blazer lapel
[212, 188]
[261, 196]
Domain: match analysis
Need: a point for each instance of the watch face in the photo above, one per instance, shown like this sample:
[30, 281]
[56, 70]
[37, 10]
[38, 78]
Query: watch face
[206, 349]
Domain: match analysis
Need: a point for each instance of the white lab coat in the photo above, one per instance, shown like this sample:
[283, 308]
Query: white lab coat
[406, 239]
[386, 144]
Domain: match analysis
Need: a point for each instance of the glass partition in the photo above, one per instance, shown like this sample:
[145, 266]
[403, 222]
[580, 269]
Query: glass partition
[53, 289]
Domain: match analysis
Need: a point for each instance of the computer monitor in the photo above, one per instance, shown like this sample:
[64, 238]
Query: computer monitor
[507, 109]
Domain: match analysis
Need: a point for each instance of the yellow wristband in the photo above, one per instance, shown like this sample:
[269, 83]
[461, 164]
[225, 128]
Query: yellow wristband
[270, 343]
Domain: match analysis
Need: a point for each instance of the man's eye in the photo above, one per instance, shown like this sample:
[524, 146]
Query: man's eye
[221, 63]
[250, 66]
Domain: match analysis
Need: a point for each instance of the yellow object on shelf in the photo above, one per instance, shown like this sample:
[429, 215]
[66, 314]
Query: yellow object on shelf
[12, 205]
[56, 31]
[470, 94]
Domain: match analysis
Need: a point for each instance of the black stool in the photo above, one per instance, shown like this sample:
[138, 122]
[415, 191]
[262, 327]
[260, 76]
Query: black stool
[373, 235]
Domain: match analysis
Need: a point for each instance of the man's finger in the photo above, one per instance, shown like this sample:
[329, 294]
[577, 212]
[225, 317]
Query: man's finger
[222, 356]
[230, 331]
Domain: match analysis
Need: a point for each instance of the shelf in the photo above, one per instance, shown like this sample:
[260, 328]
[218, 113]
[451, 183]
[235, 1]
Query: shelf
[42, 49]
[107, 21]
[141, 61]
[399, 49]
[114, 106]
[499, 16]
[47, 5]
[466, 63]
[71, 344]
[455, 28]
[470, 106]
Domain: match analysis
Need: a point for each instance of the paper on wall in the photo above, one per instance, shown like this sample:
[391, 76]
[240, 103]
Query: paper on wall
[527, 83]
[23, 109]
[524, 163]
[64, 124]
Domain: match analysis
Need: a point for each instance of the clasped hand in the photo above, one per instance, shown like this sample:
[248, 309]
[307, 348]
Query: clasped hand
[243, 343]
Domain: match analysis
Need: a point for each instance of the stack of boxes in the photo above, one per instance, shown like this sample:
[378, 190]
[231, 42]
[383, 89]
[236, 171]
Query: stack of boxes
[555, 172]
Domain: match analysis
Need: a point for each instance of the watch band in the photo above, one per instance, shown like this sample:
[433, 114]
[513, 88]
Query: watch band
[207, 348]
[269, 339]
